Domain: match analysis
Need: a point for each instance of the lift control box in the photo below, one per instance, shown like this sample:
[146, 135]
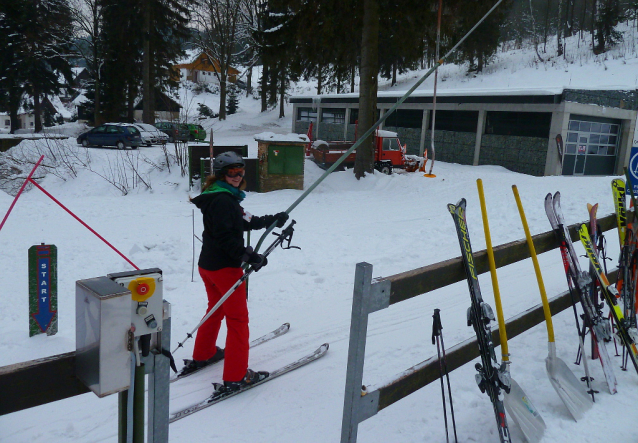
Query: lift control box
[102, 325]
[146, 298]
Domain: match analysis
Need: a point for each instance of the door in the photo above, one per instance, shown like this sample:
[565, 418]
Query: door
[591, 147]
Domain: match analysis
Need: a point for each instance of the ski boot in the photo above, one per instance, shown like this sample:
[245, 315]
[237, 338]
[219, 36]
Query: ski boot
[191, 366]
[230, 387]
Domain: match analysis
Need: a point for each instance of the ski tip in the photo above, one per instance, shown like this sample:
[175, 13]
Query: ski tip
[286, 325]
[324, 347]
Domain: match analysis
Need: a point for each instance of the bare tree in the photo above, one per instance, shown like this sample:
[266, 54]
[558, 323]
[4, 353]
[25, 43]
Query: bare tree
[218, 21]
[87, 15]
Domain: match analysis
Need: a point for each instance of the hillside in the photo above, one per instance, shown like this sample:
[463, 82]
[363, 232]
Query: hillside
[396, 223]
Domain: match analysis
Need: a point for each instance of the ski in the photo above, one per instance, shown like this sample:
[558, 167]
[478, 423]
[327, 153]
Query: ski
[216, 398]
[492, 377]
[281, 330]
[578, 282]
[626, 331]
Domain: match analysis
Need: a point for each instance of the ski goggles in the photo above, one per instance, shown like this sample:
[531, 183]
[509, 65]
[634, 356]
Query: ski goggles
[235, 171]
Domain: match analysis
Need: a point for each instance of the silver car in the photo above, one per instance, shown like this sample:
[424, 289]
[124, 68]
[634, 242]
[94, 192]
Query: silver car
[151, 135]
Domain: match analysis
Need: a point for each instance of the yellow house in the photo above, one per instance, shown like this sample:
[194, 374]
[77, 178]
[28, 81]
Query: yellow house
[202, 70]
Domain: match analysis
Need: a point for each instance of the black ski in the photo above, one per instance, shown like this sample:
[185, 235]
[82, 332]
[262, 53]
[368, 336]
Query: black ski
[281, 330]
[492, 377]
[579, 282]
[217, 397]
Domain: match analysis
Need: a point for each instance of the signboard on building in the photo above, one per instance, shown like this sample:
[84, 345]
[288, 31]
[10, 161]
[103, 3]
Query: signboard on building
[43, 290]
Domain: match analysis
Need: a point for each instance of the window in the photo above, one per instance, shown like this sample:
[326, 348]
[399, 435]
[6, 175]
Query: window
[525, 124]
[592, 138]
[7, 122]
[306, 114]
[354, 116]
[405, 118]
[455, 121]
[391, 144]
[333, 115]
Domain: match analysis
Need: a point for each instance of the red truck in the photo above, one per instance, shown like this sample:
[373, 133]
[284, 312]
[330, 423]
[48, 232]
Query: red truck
[389, 153]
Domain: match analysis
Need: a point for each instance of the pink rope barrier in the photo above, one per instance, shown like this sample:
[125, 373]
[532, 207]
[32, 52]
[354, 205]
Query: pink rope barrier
[83, 224]
[20, 192]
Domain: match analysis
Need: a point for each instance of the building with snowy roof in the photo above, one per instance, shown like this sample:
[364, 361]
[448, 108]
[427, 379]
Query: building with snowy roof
[513, 128]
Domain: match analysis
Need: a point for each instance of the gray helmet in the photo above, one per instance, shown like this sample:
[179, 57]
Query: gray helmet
[226, 159]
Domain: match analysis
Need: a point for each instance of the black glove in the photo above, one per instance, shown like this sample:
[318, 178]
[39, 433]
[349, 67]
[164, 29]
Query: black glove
[281, 218]
[256, 260]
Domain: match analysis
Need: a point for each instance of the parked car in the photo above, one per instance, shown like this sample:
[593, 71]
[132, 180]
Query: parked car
[120, 135]
[197, 132]
[151, 135]
[175, 131]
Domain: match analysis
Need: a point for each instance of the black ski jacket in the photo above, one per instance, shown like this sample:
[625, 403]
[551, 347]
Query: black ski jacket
[224, 224]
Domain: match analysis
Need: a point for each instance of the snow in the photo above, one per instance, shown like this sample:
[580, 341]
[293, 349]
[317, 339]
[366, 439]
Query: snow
[396, 223]
[290, 138]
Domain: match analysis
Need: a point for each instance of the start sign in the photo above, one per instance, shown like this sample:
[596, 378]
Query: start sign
[43, 290]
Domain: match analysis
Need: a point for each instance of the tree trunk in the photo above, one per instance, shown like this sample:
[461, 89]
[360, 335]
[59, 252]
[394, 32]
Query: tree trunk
[394, 73]
[546, 31]
[364, 160]
[282, 95]
[559, 30]
[14, 104]
[264, 88]
[249, 81]
[352, 77]
[37, 110]
[146, 66]
[319, 78]
[222, 95]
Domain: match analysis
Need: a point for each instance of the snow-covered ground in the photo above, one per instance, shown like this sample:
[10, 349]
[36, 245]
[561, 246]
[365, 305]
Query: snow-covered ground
[396, 223]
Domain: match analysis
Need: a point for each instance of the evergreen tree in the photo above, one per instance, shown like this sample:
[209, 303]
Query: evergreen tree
[35, 47]
[121, 75]
[233, 100]
[48, 37]
[13, 21]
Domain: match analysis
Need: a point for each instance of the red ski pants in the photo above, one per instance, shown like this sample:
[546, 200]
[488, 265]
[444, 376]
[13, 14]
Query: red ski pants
[235, 310]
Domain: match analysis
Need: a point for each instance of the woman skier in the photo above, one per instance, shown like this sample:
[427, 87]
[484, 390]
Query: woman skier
[220, 260]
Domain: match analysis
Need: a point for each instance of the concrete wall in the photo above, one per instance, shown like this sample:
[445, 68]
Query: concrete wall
[519, 154]
[452, 147]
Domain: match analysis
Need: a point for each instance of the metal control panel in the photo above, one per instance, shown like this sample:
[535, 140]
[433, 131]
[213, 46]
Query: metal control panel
[146, 286]
[102, 325]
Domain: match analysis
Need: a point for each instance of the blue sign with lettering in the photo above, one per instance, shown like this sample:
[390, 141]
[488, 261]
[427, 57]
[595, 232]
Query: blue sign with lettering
[633, 168]
[43, 303]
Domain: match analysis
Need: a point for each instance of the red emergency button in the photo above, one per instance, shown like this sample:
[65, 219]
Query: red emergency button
[142, 288]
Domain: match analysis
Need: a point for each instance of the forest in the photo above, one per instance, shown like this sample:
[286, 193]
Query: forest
[129, 47]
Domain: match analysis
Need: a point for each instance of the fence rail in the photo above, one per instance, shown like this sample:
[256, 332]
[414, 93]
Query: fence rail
[373, 295]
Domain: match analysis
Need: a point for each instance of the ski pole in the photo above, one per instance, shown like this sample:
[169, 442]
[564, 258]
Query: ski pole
[437, 331]
[286, 234]
[379, 122]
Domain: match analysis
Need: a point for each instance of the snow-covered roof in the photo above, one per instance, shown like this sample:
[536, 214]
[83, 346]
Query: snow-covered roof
[272, 137]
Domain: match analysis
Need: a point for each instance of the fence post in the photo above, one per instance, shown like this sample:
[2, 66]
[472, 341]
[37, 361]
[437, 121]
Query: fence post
[356, 351]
